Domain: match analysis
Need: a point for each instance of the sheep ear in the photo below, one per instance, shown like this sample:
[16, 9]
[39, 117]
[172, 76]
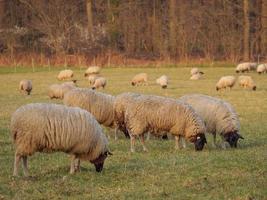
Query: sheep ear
[240, 136]
[109, 153]
[198, 137]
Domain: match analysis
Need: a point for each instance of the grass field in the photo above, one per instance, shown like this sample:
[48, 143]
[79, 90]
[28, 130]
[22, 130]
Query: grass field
[162, 173]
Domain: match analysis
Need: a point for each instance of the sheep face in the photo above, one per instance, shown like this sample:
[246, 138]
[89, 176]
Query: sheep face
[254, 87]
[133, 84]
[232, 138]
[200, 142]
[99, 162]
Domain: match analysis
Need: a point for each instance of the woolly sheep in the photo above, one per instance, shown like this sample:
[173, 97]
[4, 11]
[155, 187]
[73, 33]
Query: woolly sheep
[100, 105]
[139, 79]
[246, 82]
[196, 76]
[246, 67]
[162, 81]
[92, 70]
[57, 91]
[262, 68]
[25, 85]
[225, 81]
[219, 117]
[65, 74]
[41, 127]
[92, 78]
[99, 82]
[154, 114]
[195, 70]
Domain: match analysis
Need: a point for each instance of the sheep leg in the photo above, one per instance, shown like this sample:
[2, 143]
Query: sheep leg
[182, 139]
[16, 164]
[115, 133]
[132, 143]
[177, 143]
[25, 165]
[77, 167]
[72, 164]
[214, 141]
[148, 136]
[142, 137]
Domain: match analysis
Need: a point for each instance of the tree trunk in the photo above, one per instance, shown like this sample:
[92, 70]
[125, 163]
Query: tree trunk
[246, 30]
[89, 16]
[2, 13]
[172, 32]
[264, 27]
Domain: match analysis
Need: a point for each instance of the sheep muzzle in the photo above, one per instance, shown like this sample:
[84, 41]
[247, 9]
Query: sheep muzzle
[200, 142]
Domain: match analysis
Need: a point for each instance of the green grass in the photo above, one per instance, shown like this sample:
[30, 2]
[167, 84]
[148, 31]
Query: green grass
[162, 173]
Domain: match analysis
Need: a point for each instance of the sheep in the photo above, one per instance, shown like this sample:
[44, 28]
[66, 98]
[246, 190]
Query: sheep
[246, 67]
[195, 70]
[26, 86]
[92, 70]
[92, 78]
[57, 91]
[100, 105]
[65, 74]
[225, 81]
[246, 82]
[162, 81]
[219, 117]
[143, 113]
[262, 68]
[139, 79]
[42, 127]
[99, 82]
[196, 76]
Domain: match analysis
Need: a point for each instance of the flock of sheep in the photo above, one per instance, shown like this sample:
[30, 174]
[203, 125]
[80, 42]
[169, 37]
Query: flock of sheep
[75, 127]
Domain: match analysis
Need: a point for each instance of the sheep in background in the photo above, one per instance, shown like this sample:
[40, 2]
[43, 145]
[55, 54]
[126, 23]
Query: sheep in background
[65, 74]
[92, 78]
[225, 81]
[140, 78]
[162, 81]
[92, 70]
[247, 82]
[26, 86]
[195, 70]
[196, 76]
[41, 127]
[154, 114]
[100, 105]
[246, 67]
[99, 82]
[219, 116]
[262, 68]
[57, 91]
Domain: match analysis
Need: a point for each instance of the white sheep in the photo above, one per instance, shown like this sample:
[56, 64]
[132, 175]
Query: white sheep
[196, 76]
[219, 116]
[195, 70]
[225, 81]
[41, 127]
[157, 115]
[140, 78]
[92, 70]
[262, 68]
[57, 91]
[99, 82]
[92, 78]
[163, 81]
[65, 74]
[26, 86]
[100, 105]
[246, 67]
[247, 82]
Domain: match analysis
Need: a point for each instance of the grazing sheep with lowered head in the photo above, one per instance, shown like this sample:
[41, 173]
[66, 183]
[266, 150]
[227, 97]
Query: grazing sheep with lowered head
[65, 74]
[57, 91]
[92, 70]
[245, 67]
[247, 82]
[262, 68]
[163, 81]
[225, 81]
[99, 82]
[195, 70]
[139, 79]
[26, 85]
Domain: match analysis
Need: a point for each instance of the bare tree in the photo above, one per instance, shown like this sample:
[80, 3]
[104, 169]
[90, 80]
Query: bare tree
[246, 30]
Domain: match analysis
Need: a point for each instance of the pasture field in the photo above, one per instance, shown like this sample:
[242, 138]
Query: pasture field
[162, 172]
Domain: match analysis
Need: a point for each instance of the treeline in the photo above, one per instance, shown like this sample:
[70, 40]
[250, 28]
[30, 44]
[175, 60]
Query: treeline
[177, 30]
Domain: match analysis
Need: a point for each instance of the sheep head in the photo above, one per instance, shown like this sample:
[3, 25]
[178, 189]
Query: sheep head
[232, 138]
[99, 161]
[200, 142]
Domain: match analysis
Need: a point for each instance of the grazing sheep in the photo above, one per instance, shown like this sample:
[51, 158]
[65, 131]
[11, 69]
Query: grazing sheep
[92, 78]
[139, 79]
[99, 82]
[92, 70]
[195, 70]
[57, 91]
[100, 105]
[262, 68]
[246, 82]
[219, 117]
[225, 81]
[41, 127]
[25, 85]
[196, 76]
[162, 81]
[65, 74]
[157, 115]
[246, 67]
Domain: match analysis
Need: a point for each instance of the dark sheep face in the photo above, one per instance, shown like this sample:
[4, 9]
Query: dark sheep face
[99, 162]
[164, 86]
[200, 142]
[232, 138]
[217, 88]
[133, 84]
[236, 71]
[254, 88]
